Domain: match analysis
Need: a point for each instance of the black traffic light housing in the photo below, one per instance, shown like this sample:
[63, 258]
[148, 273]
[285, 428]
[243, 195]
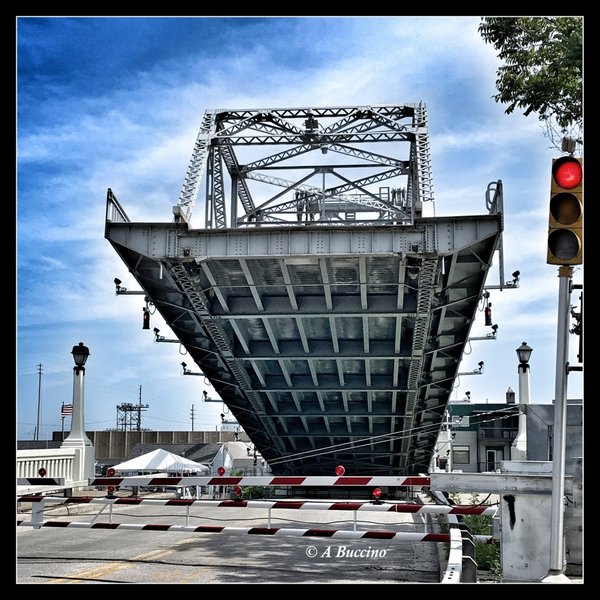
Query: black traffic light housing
[565, 221]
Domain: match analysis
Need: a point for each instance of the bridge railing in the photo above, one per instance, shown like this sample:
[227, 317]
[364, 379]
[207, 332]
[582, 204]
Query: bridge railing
[57, 463]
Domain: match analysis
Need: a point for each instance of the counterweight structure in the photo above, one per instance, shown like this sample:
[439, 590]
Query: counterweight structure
[326, 311]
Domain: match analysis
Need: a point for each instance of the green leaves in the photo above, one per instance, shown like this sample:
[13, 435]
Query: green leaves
[542, 70]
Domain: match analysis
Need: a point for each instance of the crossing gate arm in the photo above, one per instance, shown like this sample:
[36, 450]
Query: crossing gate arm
[344, 534]
[38, 502]
[317, 481]
[397, 507]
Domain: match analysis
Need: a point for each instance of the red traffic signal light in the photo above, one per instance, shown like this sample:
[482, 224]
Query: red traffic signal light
[567, 172]
[565, 221]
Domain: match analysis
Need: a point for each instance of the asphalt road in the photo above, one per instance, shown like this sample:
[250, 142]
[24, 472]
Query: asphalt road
[69, 555]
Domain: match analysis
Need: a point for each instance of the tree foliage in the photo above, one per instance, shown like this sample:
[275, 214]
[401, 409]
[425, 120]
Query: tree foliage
[542, 70]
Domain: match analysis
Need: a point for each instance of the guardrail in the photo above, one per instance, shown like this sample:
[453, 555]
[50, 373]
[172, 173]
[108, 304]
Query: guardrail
[453, 572]
[462, 567]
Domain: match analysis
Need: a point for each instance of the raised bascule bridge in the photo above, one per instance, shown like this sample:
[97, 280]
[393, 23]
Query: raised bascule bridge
[326, 311]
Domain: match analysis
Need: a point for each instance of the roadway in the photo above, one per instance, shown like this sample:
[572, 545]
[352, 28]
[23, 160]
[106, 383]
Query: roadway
[69, 555]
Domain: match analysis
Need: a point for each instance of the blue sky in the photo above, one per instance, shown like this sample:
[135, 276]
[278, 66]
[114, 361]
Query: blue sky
[117, 102]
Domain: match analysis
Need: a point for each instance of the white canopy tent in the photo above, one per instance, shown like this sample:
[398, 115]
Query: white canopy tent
[161, 461]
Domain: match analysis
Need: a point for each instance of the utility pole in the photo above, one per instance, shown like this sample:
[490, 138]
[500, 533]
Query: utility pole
[139, 419]
[36, 434]
[193, 415]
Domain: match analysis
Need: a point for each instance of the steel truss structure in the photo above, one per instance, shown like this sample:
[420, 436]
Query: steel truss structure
[330, 318]
[324, 169]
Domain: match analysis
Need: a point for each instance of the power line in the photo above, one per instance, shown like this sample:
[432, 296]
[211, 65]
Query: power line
[386, 437]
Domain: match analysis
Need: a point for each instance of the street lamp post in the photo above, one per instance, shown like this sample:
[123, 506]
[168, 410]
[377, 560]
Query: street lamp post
[519, 445]
[83, 466]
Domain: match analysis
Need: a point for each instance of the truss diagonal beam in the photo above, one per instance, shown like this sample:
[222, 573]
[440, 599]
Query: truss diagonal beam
[243, 193]
[196, 167]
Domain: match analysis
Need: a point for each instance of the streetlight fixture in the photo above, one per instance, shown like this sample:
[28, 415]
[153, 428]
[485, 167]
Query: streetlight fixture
[83, 463]
[80, 355]
[524, 354]
[519, 445]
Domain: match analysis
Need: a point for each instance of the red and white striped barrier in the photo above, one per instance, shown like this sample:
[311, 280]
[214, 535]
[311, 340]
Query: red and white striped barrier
[398, 507]
[41, 481]
[397, 536]
[149, 480]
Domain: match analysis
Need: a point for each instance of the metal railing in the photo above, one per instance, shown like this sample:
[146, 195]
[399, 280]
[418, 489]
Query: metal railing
[498, 433]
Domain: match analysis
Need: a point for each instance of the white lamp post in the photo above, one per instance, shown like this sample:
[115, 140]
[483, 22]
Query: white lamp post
[519, 445]
[83, 466]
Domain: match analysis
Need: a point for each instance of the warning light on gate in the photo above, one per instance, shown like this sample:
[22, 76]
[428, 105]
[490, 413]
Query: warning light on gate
[376, 493]
[42, 472]
[488, 315]
[221, 471]
[111, 491]
[237, 490]
[110, 472]
[340, 470]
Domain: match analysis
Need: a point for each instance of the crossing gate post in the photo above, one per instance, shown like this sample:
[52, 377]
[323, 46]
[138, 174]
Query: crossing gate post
[37, 513]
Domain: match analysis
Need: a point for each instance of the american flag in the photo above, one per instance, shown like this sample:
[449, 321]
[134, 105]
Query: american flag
[66, 410]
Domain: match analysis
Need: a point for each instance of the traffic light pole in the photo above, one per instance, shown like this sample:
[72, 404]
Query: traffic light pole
[556, 574]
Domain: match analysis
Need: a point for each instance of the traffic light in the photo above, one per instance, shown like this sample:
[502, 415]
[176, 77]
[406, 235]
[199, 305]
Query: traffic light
[565, 229]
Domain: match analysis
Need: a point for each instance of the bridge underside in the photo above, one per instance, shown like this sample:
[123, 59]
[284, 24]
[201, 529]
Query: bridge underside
[329, 345]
